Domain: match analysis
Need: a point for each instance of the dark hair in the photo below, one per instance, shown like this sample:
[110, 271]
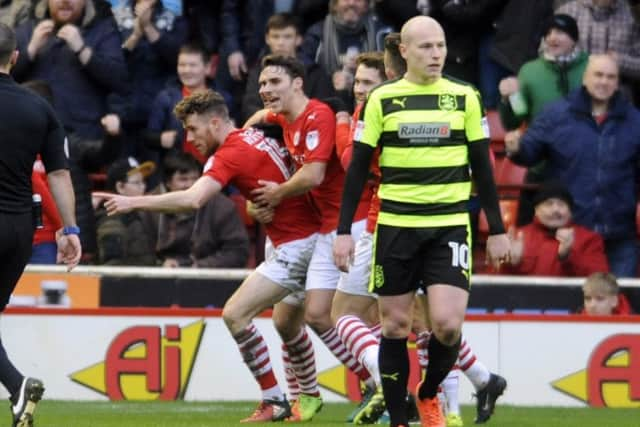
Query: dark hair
[372, 60]
[553, 189]
[181, 162]
[392, 49]
[293, 67]
[207, 102]
[280, 21]
[41, 88]
[195, 49]
[7, 43]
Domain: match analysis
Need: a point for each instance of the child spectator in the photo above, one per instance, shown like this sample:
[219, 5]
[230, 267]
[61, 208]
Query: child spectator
[124, 239]
[602, 296]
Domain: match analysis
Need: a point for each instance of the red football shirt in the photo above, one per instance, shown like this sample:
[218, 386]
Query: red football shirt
[245, 157]
[311, 138]
[374, 181]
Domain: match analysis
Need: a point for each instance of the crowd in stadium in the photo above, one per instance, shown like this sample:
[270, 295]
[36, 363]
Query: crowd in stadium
[115, 70]
[146, 90]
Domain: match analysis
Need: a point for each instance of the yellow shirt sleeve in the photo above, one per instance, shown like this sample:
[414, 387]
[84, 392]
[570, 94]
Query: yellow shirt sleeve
[475, 122]
[369, 130]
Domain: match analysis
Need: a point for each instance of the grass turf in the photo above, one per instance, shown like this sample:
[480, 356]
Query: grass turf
[221, 414]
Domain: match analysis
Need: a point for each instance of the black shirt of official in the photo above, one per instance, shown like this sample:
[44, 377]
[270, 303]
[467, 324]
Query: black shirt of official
[28, 126]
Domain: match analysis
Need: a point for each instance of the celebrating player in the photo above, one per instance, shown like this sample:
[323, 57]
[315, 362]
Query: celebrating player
[243, 157]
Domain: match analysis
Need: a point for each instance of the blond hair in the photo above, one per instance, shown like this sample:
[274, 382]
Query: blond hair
[606, 283]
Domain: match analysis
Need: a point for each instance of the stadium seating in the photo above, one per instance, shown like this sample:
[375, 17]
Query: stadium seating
[496, 131]
[509, 177]
[509, 211]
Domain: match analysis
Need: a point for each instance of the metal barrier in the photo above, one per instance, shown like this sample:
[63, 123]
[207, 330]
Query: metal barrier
[240, 274]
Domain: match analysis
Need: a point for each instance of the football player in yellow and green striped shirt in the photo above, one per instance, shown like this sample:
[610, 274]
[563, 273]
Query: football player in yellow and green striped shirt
[431, 132]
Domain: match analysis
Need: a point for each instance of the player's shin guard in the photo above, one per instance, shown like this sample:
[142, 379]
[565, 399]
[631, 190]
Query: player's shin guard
[290, 375]
[334, 344]
[303, 361]
[360, 342]
[422, 348]
[475, 370]
[255, 354]
[393, 360]
[441, 360]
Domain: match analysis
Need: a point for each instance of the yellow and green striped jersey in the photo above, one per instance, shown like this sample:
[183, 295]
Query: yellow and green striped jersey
[423, 132]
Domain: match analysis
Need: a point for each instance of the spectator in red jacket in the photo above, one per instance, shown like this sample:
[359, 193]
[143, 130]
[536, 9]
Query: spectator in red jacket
[602, 296]
[552, 245]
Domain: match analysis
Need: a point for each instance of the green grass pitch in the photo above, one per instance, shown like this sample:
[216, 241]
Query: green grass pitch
[222, 414]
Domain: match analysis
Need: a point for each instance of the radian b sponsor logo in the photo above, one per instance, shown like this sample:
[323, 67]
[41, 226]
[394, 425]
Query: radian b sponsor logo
[424, 130]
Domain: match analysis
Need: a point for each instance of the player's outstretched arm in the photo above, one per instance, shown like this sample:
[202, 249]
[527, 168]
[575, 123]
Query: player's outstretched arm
[175, 201]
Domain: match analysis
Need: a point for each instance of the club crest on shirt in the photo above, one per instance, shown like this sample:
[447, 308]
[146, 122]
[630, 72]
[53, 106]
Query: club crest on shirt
[447, 102]
[312, 140]
[296, 139]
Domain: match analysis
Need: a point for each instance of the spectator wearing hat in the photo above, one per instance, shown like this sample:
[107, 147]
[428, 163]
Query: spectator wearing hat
[124, 239]
[608, 26]
[591, 141]
[552, 245]
[550, 77]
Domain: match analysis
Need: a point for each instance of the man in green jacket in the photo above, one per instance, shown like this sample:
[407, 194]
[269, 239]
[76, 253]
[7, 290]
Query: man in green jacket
[551, 76]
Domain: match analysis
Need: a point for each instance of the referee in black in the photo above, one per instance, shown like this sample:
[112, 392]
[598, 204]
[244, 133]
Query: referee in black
[28, 127]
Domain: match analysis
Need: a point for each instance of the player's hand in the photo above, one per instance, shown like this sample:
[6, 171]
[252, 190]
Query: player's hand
[262, 214]
[39, 37]
[268, 195]
[115, 203]
[71, 34]
[516, 246]
[237, 65]
[565, 236]
[343, 251]
[498, 250]
[69, 249]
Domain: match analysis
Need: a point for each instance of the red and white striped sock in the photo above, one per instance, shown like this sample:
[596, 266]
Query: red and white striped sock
[376, 331]
[255, 354]
[334, 344]
[290, 374]
[422, 348]
[475, 370]
[303, 361]
[361, 343]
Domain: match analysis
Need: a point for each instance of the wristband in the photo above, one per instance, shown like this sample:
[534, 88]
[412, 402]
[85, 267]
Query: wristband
[79, 51]
[72, 229]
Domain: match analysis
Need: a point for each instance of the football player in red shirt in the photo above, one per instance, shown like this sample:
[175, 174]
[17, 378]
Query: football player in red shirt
[243, 158]
[309, 133]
